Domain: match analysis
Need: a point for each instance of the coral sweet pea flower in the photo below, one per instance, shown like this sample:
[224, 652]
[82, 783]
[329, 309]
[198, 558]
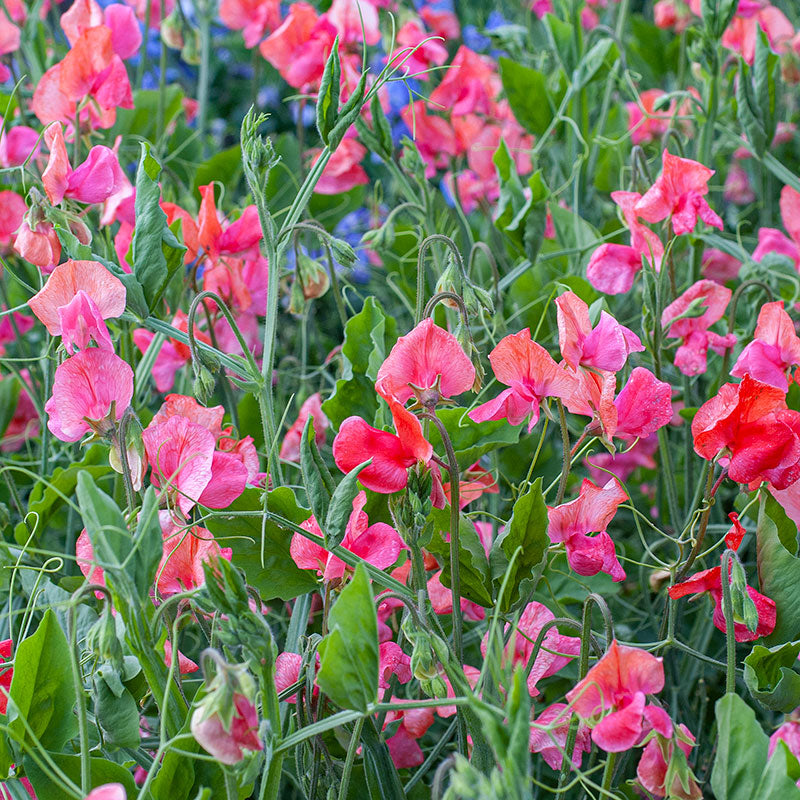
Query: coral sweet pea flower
[429, 363]
[775, 348]
[91, 391]
[470, 85]
[749, 425]
[379, 544]
[694, 332]
[605, 347]
[643, 406]
[531, 375]
[679, 193]
[614, 691]
[252, 17]
[391, 454]
[571, 523]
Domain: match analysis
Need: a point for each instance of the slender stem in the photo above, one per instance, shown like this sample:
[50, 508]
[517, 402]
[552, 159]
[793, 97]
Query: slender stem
[80, 700]
[162, 82]
[355, 738]
[203, 80]
[608, 773]
[730, 631]
[566, 462]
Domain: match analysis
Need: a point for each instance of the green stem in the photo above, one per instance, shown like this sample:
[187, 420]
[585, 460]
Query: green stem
[80, 700]
[730, 631]
[204, 20]
[355, 738]
[608, 774]
[566, 460]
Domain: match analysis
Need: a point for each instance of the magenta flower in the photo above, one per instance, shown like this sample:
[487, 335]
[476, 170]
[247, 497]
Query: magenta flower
[611, 698]
[429, 363]
[592, 511]
[775, 348]
[643, 406]
[771, 240]
[531, 375]
[312, 407]
[679, 193]
[653, 767]
[379, 544]
[91, 391]
[605, 347]
[694, 332]
[108, 791]
[612, 268]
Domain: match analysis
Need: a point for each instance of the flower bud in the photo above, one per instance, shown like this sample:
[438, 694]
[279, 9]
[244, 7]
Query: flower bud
[102, 640]
[204, 384]
[172, 31]
[343, 252]
[313, 277]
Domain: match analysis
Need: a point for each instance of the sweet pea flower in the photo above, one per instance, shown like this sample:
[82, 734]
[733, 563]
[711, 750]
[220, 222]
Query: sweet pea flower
[312, 407]
[442, 600]
[343, 171]
[393, 661]
[126, 38]
[789, 734]
[6, 648]
[653, 766]
[228, 742]
[612, 698]
[531, 375]
[470, 85]
[428, 363]
[252, 17]
[379, 544]
[605, 347]
[643, 406]
[552, 742]
[750, 427]
[774, 349]
[391, 454]
[442, 22]
[403, 747]
[694, 332]
[771, 240]
[91, 392]
[17, 144]
[38, 242]
[188, 469]
[108, 791]
[12, 212]
[644, 122]
[356, 21]
[287, 673]
[556, 652]
[572, 522]
[435, 137]
[417, 61]
[740, 36]
[719, 266]
[476, 481]
[679, 193]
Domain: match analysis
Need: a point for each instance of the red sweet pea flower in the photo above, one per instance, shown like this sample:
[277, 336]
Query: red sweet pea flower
[379, 544]
[614, 690]
[530, 372]
[694, 332]
[749, 424]
[391, 454]
[775, 348]
[679, 193]
[428, 362]
[592, 511]
[605, 347]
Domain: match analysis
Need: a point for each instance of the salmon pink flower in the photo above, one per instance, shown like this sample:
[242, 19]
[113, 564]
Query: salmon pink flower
[719, 266]
[391, 454]
[679, 193]
[12, 212]
[592, 511]
[644, 122]
[476, 481]
[38, 243]
[356, 21]
[740, 36]
[556, 652]
[470, 85]
[252, 17]
[228, 741]
[441, 22]
[653, 767]
[312, 407]
[427, 53]
[343, 171]
[605, 347]
[775, 348]
[91, 392]
[552, 742]
[694, 332]
[188, 469]
[643, 406]
[749, 425]
[379, 544]
[428, 363]
[612, 698]
[531, 375]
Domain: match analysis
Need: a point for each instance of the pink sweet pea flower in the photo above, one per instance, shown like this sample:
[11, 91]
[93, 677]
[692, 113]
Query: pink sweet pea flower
[694, 332]
[435, 137]
[592, 511]
[771, 240]
[379, 544]
[613, 267]
[556, 652]
[185, 551]
[24, 425]
[470, 85]
[611, 698]
[185, 665]
[530, 372]
[738, 189]
[740, 35]
[442, 23]
[81, 322]
[108, 791]
[605, 347]
[91, 391]
[774, 349]
[417, 62]
[719, 266]
[643, 406]
[12, 212]
[427, 362]
[227, 743]
[38, 244]
[351, 18]
[312, 407]
[551, 743]
[403, 747]
[393, 661]
[188, 469]
[343, 171]
[126, 38]
[653, 766]
[679, 193]
[644, 122]
[442, 600]
[287, 673]
[6, 647]
[645, 241]
[17, 144]
[391, 454]
[253, 17]
[789, 734]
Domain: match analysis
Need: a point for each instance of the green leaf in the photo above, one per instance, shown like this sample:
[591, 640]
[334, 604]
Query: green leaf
[317, 478]
[527, 529]
[766, 69]
[354, 396]
[741, 751]
[156, 253]
[9, 394]
[42, 692]
[223, 166]
[591, 63]
[328, 96]
[368, 338]
[748, 110]
[770, 677]
[526, 90]
[562, 40]
[118, 717]
[779, 568]
[341, 506]
[148, 544]
[776, 780]
[472, 561]
[472, 439]
[348, 671]
[103, 772]
[271, 569]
